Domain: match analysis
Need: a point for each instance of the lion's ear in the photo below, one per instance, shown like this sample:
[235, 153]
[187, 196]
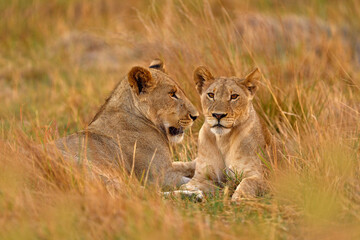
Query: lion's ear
[140, 80]
[158, 64]
[202, 75]
[251, 81]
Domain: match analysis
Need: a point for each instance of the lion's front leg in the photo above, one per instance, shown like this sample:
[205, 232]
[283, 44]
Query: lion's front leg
[209, 164]
[205, 178]
[187, 169]
[250, 169]
[179, 173]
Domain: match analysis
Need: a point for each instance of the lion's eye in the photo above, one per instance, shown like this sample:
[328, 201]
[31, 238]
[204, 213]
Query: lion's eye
[173, 94]
[211, 95]
[234, 96]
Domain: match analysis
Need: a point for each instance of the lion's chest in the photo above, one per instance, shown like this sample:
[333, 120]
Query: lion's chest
[235, 149]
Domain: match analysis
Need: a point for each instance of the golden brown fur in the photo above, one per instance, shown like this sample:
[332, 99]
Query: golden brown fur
[146, 111]
[232, 136]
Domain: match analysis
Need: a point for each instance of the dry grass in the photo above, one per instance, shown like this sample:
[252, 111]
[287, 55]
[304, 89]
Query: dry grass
[59, 60]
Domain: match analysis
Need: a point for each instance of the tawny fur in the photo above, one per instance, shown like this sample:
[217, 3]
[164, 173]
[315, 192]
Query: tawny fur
[131, 128]
[235, 146]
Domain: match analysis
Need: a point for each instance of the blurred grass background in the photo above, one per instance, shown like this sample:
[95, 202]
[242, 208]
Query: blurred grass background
[59, 60]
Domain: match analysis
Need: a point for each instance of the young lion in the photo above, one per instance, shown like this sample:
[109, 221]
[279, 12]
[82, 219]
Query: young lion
[145, 111]
[232, 136]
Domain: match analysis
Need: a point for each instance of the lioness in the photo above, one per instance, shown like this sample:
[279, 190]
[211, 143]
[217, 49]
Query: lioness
[145, 111]
[232, 136]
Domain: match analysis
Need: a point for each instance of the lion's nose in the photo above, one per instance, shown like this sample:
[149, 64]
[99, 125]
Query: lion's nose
[193, 117]
[219, 116]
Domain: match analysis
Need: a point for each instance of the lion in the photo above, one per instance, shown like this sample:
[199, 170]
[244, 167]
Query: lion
[232, 137]
[133, 129]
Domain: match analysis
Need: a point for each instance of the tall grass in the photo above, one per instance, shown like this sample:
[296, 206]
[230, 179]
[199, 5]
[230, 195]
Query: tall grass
[52, 84]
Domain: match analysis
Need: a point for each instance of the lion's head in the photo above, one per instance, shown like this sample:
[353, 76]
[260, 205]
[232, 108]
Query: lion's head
[162, 100]
[226, 101]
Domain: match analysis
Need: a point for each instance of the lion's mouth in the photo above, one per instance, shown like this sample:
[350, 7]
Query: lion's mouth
[219, 125]
[173, 131]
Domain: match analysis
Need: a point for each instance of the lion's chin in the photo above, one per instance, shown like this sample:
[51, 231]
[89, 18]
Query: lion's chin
[176, 138]
[217, 130]
[175, 134]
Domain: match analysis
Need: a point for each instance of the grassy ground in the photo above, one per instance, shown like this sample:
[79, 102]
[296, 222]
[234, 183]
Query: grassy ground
[59, 60]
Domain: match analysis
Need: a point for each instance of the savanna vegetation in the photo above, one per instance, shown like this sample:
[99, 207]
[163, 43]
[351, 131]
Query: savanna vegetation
[60, 59]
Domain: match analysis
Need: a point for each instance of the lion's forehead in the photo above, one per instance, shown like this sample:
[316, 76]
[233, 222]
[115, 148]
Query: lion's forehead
[226, 85]
[160, 76]
[164, 78]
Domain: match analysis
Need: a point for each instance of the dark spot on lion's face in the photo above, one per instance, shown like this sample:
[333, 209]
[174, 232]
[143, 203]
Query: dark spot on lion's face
[175, 131]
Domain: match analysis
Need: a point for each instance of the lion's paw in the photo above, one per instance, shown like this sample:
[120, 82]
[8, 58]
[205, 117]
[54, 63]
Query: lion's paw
[196, 195]
[190, 187]
[236, 197]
